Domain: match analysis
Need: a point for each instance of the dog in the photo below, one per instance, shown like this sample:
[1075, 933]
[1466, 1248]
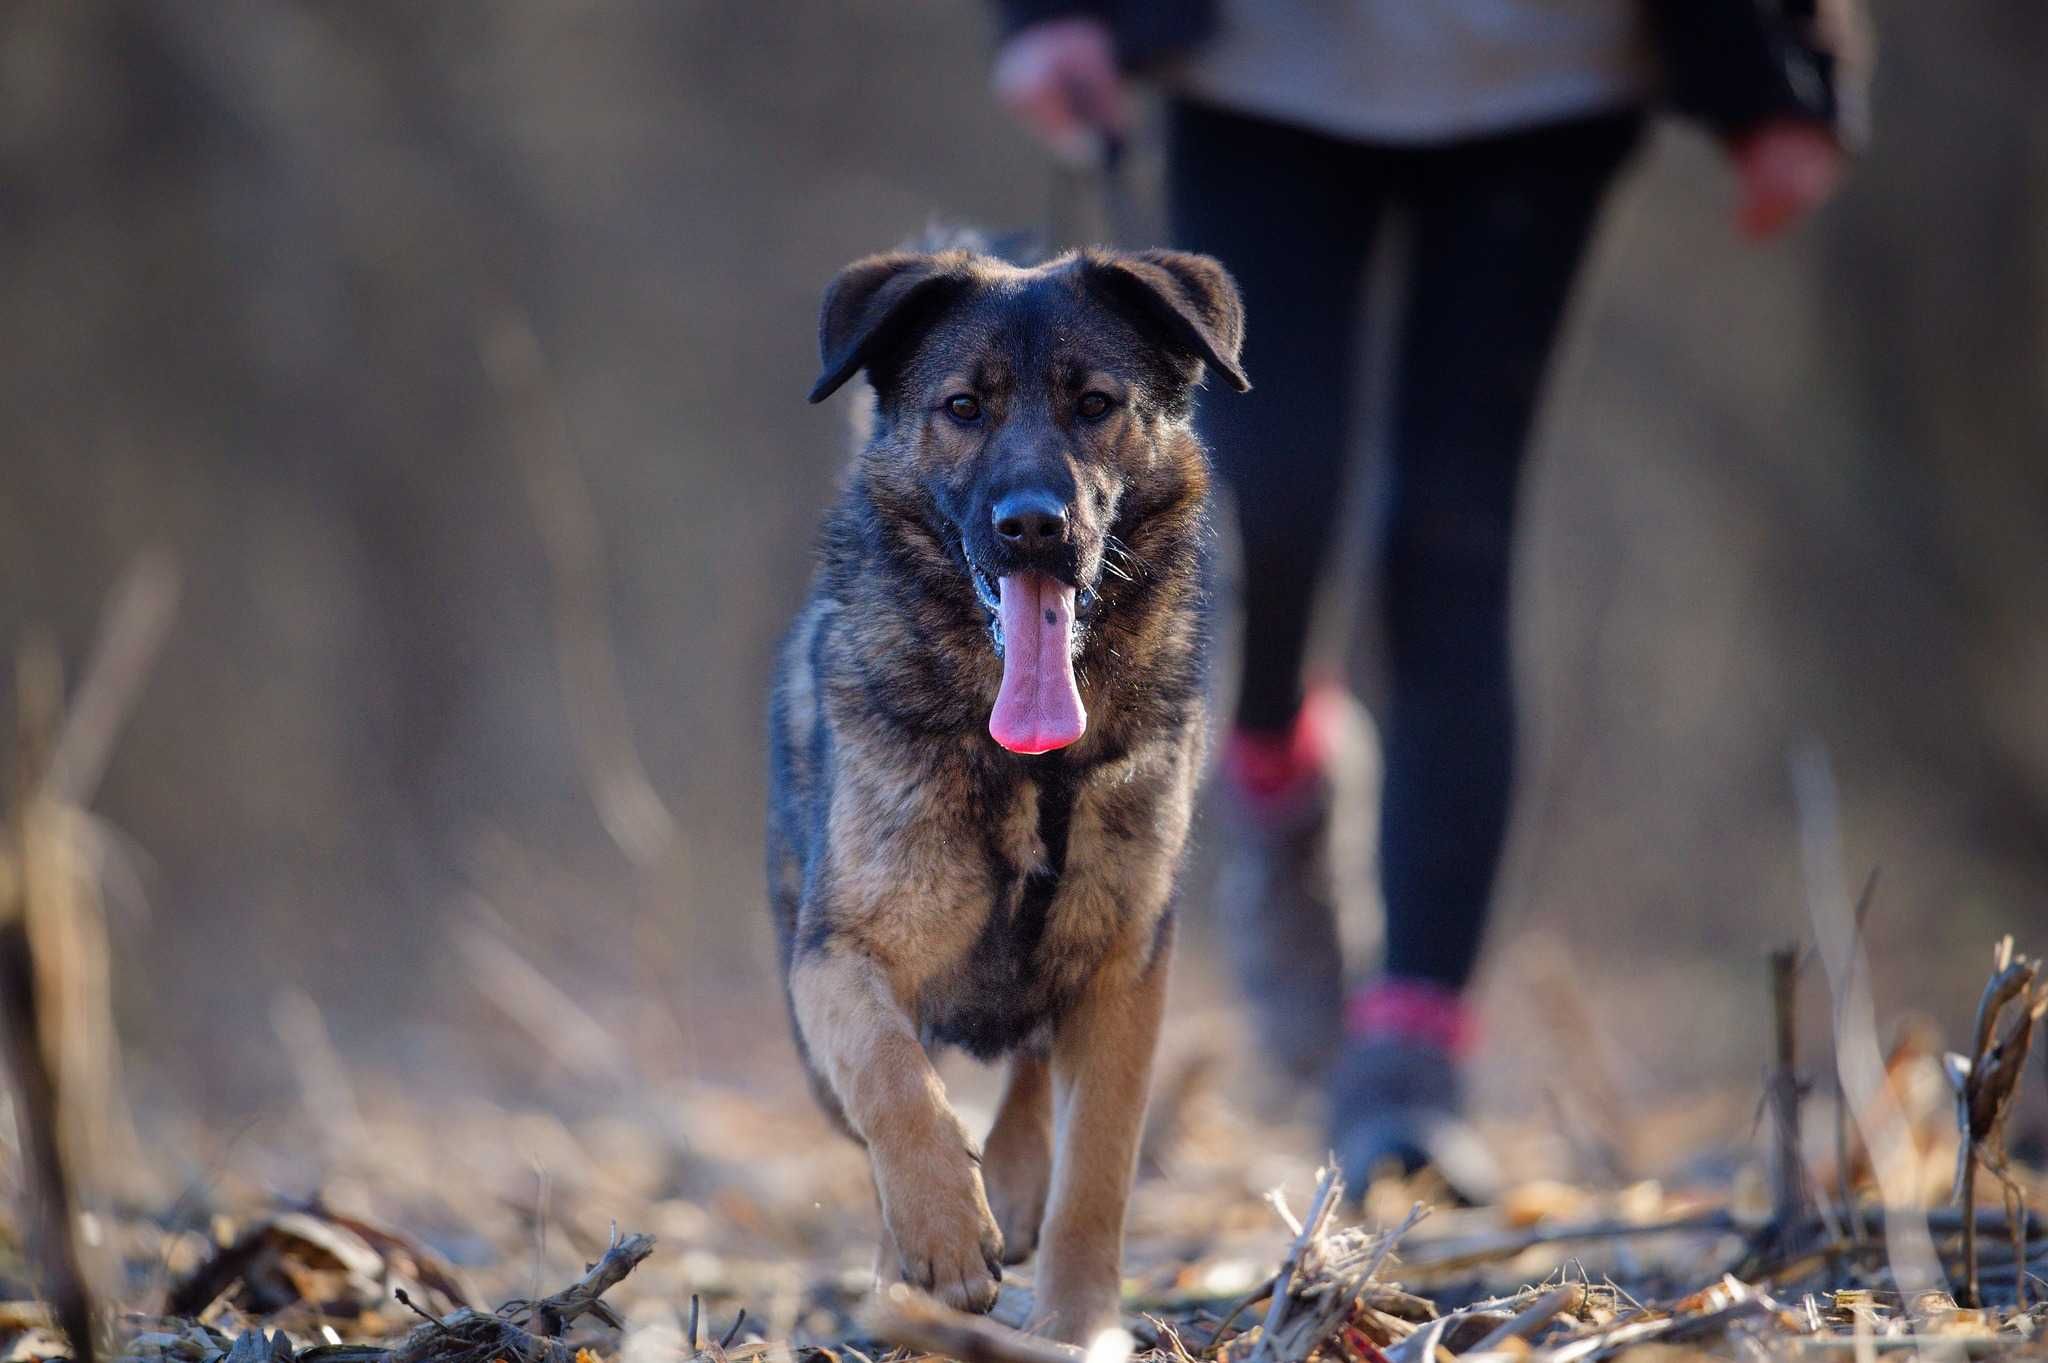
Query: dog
[986, 733]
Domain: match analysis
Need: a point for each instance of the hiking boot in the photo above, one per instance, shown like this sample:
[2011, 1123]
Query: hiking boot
[1292, 872]
[1397, 1093]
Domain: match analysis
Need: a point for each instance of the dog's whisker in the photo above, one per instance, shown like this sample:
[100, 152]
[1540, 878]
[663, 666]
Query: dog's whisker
[1113, 545]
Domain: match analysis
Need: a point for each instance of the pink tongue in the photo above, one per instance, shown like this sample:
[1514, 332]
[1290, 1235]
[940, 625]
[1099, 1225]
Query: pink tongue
[1039, 707]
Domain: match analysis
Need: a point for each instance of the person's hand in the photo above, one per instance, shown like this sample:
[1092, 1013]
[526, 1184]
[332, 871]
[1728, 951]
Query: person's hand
[1787, 168]
[1059, 79]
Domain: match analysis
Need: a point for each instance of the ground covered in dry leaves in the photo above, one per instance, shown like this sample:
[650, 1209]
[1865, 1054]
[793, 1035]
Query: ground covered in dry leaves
[718, 1226]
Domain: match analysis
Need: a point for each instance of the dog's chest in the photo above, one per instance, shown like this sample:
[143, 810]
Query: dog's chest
[1041, 932]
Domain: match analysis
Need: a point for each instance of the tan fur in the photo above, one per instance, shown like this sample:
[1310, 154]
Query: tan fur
[1101, 1070]
[926, 1173]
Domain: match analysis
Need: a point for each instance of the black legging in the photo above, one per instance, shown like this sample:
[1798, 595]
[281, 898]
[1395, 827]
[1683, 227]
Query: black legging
[1499, 226]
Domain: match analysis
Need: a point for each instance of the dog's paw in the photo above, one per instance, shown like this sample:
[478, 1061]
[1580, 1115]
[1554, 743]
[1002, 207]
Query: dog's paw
[946, 1238]
[957, 1259]
[1017, 1169]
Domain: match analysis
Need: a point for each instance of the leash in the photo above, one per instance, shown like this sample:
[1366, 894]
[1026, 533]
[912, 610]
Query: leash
[1091, 202]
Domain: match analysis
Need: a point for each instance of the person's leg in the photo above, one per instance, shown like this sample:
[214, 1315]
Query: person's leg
[1501, 225]
[1292, 215]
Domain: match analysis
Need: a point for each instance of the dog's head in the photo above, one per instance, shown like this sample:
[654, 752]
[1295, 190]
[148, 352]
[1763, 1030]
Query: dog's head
[1022, 415]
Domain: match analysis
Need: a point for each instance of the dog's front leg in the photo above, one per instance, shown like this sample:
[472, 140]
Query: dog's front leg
[933, 1207]
[1101, 1069]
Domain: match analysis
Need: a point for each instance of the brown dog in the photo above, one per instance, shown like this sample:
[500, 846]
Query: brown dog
[986, 733]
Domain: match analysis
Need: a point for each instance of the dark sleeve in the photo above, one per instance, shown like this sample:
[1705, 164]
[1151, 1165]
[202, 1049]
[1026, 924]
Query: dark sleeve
[1147, 31]
[1012, 15]
[1733, 64]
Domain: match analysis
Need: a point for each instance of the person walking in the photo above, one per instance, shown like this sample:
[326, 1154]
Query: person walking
[1497, 127]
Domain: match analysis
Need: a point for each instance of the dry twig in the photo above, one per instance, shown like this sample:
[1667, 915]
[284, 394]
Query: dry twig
[909, 1319]
[1535, 1316]
[527, 1331]
[1322, 1285]
[552, 1314]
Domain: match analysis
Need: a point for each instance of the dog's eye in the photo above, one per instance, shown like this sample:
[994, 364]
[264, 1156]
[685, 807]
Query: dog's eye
[1093, 406]
[963, 408]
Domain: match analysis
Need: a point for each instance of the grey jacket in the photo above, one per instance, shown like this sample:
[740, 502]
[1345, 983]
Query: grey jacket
[1730, 64]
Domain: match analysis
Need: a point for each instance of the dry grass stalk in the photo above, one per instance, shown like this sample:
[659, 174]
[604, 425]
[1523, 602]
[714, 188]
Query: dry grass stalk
[39, 1105]
[1874, 1103]
[1590, 1111]
[1987, 1082]
[1845, 1174]
[1790, 1203]
[537, 433]
[55, 989]
[1445, 1256]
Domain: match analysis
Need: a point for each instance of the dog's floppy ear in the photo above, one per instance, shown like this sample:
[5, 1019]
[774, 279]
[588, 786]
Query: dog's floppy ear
[872, 306]
[1189, 300]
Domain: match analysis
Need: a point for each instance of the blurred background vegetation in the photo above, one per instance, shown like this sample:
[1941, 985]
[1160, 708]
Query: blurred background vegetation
[457, 352]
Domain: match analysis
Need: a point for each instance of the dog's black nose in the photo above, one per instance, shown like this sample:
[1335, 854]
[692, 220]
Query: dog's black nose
[1030, 520]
